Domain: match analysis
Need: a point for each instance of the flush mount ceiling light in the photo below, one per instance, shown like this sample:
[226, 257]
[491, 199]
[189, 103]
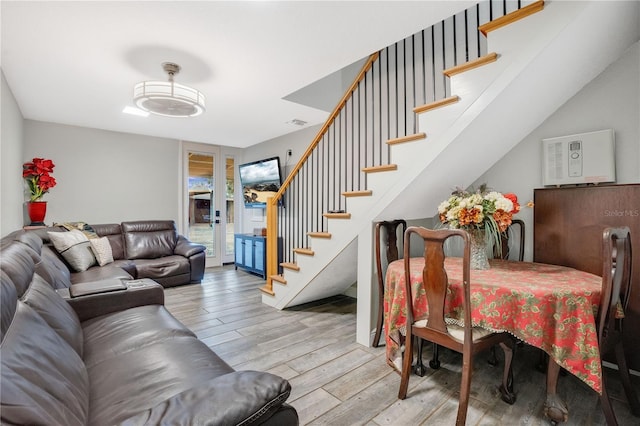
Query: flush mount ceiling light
[168, 98]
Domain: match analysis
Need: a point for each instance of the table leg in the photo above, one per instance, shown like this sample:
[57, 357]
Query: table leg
[554, 407]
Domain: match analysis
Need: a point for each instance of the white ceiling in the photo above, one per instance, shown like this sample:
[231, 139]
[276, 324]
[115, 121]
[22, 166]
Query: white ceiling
[76, 62]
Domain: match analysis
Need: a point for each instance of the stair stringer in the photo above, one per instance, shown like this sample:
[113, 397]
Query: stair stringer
[450, 134]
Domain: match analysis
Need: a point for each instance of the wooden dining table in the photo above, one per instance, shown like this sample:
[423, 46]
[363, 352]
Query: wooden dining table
[550, 307]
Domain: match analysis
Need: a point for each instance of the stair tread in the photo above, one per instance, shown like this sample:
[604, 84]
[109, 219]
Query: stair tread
[407, 138]
[337, 215]
[319, 234]
[278, 278]
[357, 193]
[381, 168]
[292, 266]
[487, 59]
[511, 17]
[268, 291]
[436, 104]
[304, 250]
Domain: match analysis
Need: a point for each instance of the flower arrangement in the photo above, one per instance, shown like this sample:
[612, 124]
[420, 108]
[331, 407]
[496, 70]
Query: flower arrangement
[37, 173]
[482, 209]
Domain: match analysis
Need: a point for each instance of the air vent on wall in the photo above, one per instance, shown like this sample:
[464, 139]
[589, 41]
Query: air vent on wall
[297, 122]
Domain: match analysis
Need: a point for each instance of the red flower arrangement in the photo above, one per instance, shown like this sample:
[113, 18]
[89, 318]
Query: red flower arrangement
[37, 173]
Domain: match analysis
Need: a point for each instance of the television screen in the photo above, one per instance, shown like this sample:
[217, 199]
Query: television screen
[260, 180]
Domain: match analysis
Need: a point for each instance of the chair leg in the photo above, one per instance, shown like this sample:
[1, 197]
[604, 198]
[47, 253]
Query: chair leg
[506, 388]
[407, 359]
[465, 388]
[632, 397]
[609, 415]
[379, 322]
[542, 362]
[376, 338]
[435, 361]
[493, 359]
[420, 369]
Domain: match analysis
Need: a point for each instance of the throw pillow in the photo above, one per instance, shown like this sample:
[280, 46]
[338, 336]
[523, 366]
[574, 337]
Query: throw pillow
[82, 226]
[75, 248]
[102, 250]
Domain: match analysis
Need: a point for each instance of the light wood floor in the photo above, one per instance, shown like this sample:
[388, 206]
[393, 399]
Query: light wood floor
[336, 381]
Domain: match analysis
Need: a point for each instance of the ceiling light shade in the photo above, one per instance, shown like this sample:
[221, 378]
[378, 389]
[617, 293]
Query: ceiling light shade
[168, 98]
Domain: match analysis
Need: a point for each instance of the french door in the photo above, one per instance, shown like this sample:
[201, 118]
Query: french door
[208, 208]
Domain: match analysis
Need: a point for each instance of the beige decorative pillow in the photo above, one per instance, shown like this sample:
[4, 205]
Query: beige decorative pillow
[74, 246]
[102, 250]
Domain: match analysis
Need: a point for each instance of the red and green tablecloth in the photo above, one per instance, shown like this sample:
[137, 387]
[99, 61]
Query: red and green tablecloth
[547, 306]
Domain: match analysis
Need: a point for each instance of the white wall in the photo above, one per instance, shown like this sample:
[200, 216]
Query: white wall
[611, 100]
[104, 176]
[11, 160]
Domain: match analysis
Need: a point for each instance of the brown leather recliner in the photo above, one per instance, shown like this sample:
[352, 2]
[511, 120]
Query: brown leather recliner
[124, 360]
[141, 249]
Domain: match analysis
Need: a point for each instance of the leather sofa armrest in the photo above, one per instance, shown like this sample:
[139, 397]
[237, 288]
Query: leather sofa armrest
[241, 397]
[186, 248]
[96, 287]
[95, 303]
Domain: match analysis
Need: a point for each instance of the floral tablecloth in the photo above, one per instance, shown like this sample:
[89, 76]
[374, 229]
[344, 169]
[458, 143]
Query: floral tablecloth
[547, 306]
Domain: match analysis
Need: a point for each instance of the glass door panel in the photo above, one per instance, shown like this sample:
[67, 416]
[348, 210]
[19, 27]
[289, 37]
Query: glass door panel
[229, 192]
[202, 200]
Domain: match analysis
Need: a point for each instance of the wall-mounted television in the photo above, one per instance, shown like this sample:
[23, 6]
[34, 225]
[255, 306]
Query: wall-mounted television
[260, 180]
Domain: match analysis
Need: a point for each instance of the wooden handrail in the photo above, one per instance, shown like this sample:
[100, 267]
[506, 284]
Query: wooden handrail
[326, 125]
[272, 203]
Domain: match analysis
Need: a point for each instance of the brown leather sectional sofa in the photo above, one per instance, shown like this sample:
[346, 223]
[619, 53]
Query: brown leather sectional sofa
[141, 249]
[107, 352]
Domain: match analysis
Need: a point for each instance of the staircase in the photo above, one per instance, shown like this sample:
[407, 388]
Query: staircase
[536, 61]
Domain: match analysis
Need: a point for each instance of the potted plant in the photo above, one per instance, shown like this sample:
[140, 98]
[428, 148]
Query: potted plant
[37, 173]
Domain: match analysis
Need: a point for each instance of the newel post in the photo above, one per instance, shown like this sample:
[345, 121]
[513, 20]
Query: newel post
[272, 244]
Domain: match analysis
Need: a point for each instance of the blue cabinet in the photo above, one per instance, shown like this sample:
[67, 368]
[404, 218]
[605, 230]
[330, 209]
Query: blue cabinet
[251, 253]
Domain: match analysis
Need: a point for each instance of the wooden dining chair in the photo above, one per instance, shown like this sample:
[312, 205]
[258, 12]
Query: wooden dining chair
[614, 299]
[386, 236]
[467, 340]
[506, 238]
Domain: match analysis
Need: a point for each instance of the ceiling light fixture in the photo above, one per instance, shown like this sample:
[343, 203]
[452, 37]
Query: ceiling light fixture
[135, 111]
[168, 98]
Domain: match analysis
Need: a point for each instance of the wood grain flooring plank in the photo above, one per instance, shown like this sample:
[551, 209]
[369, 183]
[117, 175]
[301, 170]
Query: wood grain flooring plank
[258, 360]
[360, 378]
[238, 325]
[284, 371]
[314, 404]
[221, 338]
[327, 372]
[361, 408]
[313, 346]
[320, 356]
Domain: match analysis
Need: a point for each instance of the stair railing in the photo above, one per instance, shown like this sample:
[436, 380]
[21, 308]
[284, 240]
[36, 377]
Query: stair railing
[377, 107]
